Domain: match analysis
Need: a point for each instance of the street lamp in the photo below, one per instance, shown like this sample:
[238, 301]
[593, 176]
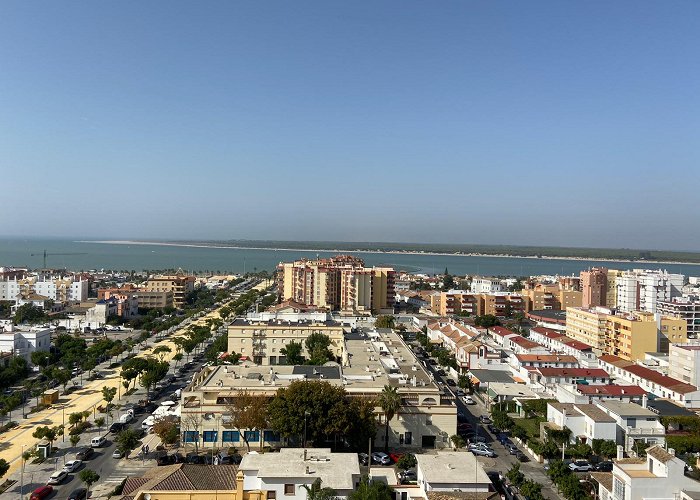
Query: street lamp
[21, 480]
[306, 414]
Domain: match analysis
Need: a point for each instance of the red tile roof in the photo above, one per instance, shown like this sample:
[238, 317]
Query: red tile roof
[575, 344]
[547, 332]
[548, 358]
[524, 343]
[611, 390]
[669, 383]
[500, 331]
[573, 372]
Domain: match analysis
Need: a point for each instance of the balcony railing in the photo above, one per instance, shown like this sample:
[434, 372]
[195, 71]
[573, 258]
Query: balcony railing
[641, 431]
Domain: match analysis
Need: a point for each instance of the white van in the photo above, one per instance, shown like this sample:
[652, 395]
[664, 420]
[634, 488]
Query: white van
[148, 422]
[126, 418]
[98, 442]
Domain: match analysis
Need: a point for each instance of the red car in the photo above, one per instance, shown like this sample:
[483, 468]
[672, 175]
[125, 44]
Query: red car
[41, 492]
[395, 456]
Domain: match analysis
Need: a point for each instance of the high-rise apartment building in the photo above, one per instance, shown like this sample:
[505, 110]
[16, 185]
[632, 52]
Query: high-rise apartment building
[594, 285]
[686, 308]
[612, 276]
[180, 285]
[58, 289]
[627, 335]
[337, 283]
[643, 290]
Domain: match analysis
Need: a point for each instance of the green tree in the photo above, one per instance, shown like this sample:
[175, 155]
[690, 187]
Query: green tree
[41, 358]
[515, 476]
[531, 490]
[571, 488]
[177, 358]
[127, 440]
[465, 382]
[28, 313]
[486, 321]
[502, 420]
[407, 461]
[317, 492]
[372, 490]
[48, 433]
[317, 347]
[74, 440]
[580, 451]
[385, 321]
[154, 373]
[161, 351]
[4, 467]
[62, 376]
[108, 394]
[292, 353]
[247, 412]
[390, 402]
[457, 441]
[166, 429]
[88, 477]
[605, 448]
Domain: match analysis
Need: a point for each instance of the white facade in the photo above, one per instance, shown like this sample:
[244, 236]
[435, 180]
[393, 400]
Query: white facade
[485, 285]
[23, 342]
[634, 422]
[643, 290]
[56, 289]
[287, 472]
[684, 362]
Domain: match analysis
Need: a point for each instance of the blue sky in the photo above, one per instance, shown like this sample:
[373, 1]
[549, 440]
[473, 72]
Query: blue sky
[563, 123]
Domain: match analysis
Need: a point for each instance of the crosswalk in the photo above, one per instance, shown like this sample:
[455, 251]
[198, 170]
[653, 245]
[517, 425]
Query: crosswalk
[126, 469]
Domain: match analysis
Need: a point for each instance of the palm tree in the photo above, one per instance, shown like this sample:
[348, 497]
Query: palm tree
[390, 401]
[316, 492]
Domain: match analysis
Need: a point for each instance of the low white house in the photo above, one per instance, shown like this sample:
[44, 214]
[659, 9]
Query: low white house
[283, 475]
[634, 423]
[659, 476]
[586, 421]
[22, 341]
[451, 471]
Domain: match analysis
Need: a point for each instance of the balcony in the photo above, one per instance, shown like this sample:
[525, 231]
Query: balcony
[635, 432]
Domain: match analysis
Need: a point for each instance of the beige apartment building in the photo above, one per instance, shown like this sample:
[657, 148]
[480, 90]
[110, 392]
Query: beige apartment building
[338, 283]
[262, 340]
[628, 335]
[426, 418]
[500, 304]
[154, 300]
[180, 286]
[611, 282]
[554, 296]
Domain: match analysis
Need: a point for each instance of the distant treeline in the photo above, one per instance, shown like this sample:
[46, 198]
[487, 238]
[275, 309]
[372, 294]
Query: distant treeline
[627, 254]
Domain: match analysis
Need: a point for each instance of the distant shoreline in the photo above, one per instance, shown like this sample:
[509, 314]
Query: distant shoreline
[389, 252]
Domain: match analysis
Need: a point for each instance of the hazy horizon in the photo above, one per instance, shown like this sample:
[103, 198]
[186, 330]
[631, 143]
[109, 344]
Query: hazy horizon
[497, 123]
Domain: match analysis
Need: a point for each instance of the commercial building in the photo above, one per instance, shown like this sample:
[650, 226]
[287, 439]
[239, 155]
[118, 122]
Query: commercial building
[337, 283]
[263, 340]
[686, 308]
[284, 474]
[371, 360]
[594, 286]
[629, 335]
[643, 290]
[180, 285]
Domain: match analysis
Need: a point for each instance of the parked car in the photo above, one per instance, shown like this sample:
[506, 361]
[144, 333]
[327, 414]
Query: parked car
[57, 477]
[379, 457]
[475, 438]
[407, 476]
[395, 457]
[451, 382]
[363, 458]
[464, 427]
[117, 453]
[512, 449]
[604, 466]
[72, 465]
[78, 494]
[84, 453]
[467, 400]
[483, 452]
[166, 460]
[581, 466]
[503, 438]
[41, 492]
[116, 427]
[521, 457]
[459, 393]
[484, 419]
[471, 446]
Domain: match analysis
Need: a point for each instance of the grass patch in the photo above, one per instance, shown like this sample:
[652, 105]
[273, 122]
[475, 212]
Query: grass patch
[530, 425]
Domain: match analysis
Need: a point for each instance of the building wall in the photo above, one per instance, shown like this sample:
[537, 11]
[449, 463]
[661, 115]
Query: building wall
[683, 363]
[594, 284]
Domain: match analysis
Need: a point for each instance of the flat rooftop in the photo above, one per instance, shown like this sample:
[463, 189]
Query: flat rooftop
[336, 470]
[452, 467]
[626, 409]
[283, 322]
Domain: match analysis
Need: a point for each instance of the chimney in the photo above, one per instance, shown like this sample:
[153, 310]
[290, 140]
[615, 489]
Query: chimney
[620, 452]
[672, 452]
[305, 458]
[307, 470]
[645, 401]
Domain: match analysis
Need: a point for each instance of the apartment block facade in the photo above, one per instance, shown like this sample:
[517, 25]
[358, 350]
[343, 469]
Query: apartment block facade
[338, 283]
[628, 336]
[58, 289]
[594, 286]
[644, 290]
[686, 308]
[180, 285]
[554, 296]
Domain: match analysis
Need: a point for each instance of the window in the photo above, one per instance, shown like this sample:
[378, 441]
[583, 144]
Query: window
[271, 436]
[252, 436]
[408, 438]
[230, 437]
[289, 489]
[618, 489]
[271, 495]
[190, 436]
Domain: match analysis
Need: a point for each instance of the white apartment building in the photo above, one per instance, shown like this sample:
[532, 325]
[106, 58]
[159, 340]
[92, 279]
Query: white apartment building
[634, 423]
[56, 289]
[659, 476]
[485, 285]
[684, 362]
[23, 341]
[283, 475]
[586, 421]
[643, 290]
[687, 308]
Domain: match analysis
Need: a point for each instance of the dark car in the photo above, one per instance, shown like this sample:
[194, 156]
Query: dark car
[195, 459]
[484, 419]
[165, 460]
[84, 453]
[451, 382]
[78, 494]
[363, 458]
[441, 372]
[116, 427]
[522, 457]
[604, 467]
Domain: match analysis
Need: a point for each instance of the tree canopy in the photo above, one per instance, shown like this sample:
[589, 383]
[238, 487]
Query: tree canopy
[292, 353]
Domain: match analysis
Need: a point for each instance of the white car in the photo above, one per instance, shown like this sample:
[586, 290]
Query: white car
[57, 477]
[380, 457]
[580, 466]
[73, 465]
[483, 452]
[468, 400]
[117, 454]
